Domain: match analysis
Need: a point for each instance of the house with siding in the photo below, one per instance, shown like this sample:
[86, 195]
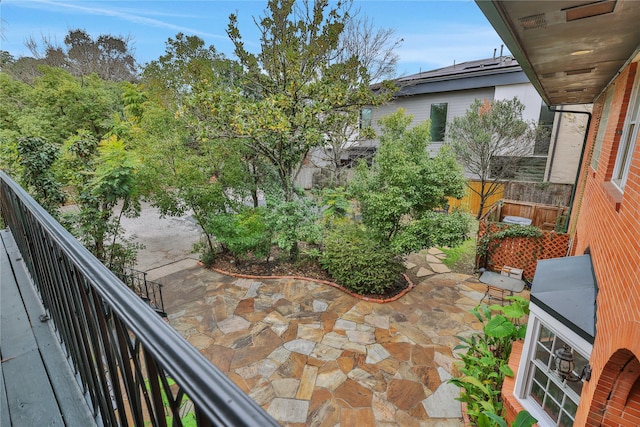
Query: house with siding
[442, 94]
[585, 308]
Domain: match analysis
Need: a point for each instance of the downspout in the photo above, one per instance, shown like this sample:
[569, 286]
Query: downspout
[584, 147]
[555, 144]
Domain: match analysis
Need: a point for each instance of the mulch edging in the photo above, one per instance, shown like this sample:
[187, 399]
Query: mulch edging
[323, 282]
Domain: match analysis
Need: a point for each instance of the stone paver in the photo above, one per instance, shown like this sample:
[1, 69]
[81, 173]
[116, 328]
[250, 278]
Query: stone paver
[312, 355]
[423, 271]
[439, 268]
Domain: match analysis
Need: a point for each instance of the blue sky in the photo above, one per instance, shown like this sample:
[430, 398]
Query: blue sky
[435, 33]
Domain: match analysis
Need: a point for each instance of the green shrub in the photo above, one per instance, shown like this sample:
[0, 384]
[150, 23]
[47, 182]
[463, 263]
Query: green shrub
[358, 261]
[208, 258]
[432, 229]
[241, 233]
[335, 203]
[292, 222]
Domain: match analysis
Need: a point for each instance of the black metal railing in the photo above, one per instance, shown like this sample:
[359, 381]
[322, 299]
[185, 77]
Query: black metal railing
[133, 368]
[149, 291]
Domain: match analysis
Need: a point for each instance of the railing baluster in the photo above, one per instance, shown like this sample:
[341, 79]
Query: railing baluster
[153, 378]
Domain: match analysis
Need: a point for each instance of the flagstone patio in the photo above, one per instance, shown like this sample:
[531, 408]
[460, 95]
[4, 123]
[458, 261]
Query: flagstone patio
[312, 355]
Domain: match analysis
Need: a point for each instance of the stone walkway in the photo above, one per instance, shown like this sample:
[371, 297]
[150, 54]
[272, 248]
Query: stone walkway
[313, 355]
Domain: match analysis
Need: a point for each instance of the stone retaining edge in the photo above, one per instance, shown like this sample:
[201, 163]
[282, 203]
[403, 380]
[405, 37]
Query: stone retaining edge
[323, 282]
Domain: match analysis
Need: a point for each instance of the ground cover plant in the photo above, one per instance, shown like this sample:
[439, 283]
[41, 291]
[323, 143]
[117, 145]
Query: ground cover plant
[484, 364]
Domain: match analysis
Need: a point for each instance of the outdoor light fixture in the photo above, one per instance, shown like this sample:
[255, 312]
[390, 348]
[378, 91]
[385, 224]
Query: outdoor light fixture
[565, 365]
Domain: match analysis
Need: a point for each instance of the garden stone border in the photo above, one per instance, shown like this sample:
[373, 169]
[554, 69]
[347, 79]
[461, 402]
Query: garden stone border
[324, 282]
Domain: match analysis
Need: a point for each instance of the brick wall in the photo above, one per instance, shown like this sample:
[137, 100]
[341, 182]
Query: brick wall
[607, 221]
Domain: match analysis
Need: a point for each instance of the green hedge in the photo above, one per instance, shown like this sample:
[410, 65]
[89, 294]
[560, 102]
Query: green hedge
[358, 261]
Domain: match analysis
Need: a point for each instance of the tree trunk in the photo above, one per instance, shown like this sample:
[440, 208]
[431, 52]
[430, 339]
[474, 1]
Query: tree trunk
[481, 208]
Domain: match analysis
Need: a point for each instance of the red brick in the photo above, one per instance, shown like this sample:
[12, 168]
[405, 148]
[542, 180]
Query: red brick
[614, 239]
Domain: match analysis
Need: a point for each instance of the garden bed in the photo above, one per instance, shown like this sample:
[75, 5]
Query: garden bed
[303, 269]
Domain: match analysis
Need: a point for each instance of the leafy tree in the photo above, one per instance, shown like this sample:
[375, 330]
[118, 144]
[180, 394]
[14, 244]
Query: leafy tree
[179, 173]
[102, 176]
[242, 233]
[375, 50]
[185, 169]
[36, 156]
[6, 59]
[488, 131]
[398, 193]
[56, 106]
[293, 88]
[14, 97]
[110, 57]
[187, 66]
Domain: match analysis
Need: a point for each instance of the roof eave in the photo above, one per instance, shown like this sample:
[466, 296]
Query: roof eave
[496, 17]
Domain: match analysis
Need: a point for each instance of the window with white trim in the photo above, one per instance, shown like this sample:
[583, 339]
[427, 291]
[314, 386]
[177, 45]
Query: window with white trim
[629, 136]
[558, 398]
[602, 127]
[540, 389]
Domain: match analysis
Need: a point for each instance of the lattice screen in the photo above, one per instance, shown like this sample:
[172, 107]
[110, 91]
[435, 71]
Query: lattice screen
[522, 252]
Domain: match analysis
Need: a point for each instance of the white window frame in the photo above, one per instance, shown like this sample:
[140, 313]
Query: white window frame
[522, 389]
[628, 138]
[602, 127]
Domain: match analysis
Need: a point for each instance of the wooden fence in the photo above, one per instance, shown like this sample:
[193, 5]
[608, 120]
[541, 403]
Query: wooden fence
[545, 217]
[546, 194]
[543, 193]
[520, 252]
[471, 200]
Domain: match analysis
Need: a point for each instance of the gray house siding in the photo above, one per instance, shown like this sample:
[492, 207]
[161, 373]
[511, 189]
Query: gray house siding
[419, 106]
[458, 86]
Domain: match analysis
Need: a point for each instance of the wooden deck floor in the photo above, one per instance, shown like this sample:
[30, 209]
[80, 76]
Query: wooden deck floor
[37, 387]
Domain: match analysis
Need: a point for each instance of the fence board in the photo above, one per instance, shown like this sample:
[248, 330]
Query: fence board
[471, 200]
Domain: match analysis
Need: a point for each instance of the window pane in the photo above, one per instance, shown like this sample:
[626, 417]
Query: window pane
[570, 406]
[602, 127]
[552, 409]
[537, 393]
[544, 345]
[542, 353]
[559, 343]
[365, 118]
[565, 420]
[555, 392]
[438, 121]
[545, 335]
[540, 377]
[624, 156]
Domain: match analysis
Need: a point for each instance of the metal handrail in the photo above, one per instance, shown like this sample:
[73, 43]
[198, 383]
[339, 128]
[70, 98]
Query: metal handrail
[120, 349]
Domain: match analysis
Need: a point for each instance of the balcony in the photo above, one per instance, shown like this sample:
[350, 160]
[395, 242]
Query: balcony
[78, 347]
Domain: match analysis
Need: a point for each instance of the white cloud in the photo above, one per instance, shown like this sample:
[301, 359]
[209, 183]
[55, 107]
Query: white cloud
[131, 15]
